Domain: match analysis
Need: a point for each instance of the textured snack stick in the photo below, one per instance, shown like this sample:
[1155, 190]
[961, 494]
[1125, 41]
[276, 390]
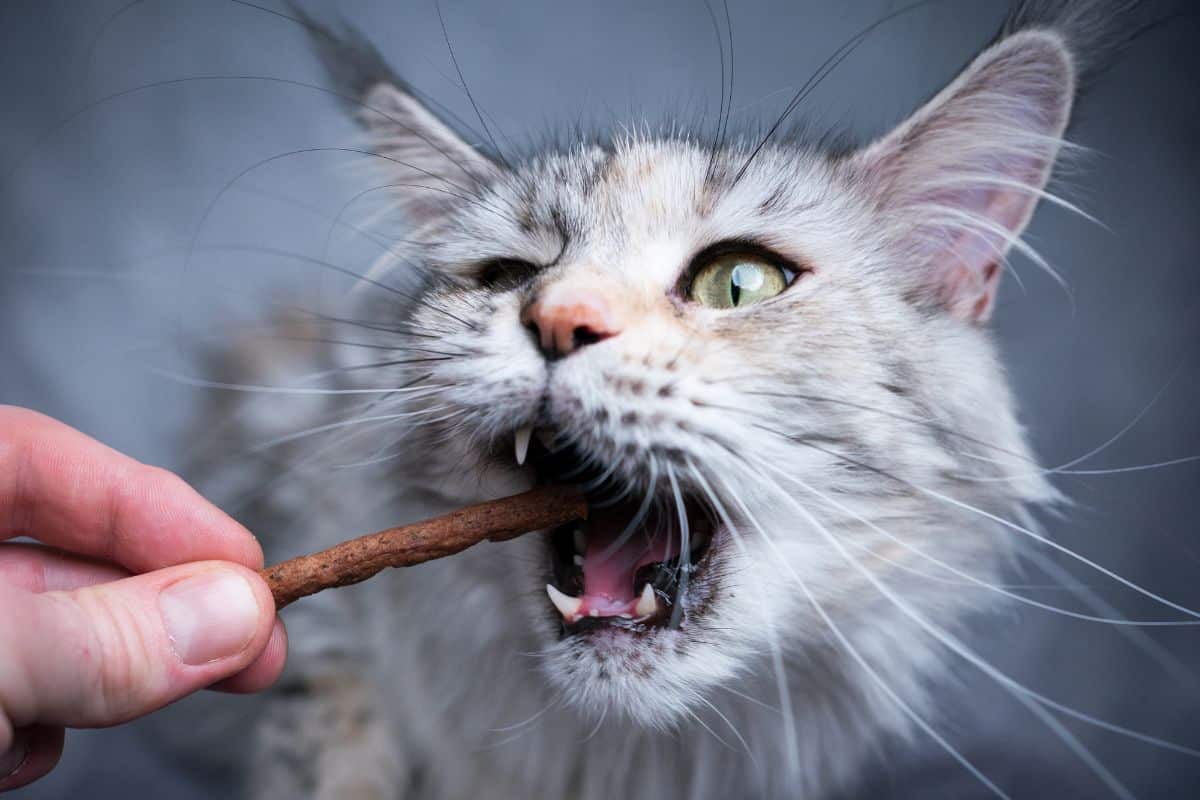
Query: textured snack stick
[359, 559]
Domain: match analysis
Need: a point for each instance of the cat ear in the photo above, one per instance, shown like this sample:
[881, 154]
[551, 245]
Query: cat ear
[434, 168]
[957, 182]
[431, 167]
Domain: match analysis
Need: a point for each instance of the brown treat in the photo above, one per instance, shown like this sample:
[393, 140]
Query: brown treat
[359, 559]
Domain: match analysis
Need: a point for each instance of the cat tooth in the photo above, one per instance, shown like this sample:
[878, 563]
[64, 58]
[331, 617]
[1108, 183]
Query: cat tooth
[578, 560]
[567, 606]
[522, 442]
[647, 604]
[580, 540]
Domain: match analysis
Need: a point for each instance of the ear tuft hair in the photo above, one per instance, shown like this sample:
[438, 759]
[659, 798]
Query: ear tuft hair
[354, 65]
[1094, 31]
[433, 167]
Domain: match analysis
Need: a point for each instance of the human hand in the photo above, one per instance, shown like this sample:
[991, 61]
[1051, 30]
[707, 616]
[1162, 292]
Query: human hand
[140, 592]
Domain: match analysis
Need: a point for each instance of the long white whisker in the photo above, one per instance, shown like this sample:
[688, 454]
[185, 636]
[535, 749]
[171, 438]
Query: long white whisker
[696, 718]
[1065, 467]
[732, 727]
[791, 740]
[1004, 522]
[685, 543]
[260, 389]
[1156, 651]
[1021, 693]
[984, 584]
[599, 722]
[291, 437]
[521, 728]
[852, 651]
[750, 698]
[966, 653]
[242, 501]
[638, 516]
[1062, 549]
[1172, 462]
[535, 717]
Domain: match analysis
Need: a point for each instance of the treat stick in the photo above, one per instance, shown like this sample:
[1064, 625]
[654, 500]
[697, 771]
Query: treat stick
[359, 559]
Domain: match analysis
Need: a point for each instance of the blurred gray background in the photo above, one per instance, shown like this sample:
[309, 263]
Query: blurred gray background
[98, 295]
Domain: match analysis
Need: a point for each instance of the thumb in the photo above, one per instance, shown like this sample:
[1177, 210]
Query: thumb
[108, 653]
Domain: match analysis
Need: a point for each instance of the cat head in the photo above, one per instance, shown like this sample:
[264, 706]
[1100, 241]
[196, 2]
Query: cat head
[767, 363]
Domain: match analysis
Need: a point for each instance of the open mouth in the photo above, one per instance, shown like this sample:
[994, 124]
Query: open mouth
[634, 563]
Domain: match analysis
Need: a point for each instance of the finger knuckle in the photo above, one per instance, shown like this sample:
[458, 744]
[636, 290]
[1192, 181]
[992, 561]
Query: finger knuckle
[115, 656]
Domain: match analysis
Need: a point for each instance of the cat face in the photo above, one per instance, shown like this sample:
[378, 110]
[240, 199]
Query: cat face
[765, 365]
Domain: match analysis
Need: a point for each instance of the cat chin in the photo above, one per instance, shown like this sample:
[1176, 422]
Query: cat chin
[654, 680]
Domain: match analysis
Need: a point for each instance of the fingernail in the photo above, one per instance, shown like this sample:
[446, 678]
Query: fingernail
[210, 616]
[13, 758]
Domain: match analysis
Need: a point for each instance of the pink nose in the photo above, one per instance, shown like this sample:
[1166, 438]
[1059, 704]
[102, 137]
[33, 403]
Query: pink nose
[566, 317]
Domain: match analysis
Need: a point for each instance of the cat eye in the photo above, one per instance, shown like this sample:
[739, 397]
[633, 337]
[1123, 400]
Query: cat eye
[735, 280]
[506, 273]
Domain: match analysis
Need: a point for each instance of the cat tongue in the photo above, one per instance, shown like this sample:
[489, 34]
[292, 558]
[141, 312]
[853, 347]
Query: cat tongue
[610, 565]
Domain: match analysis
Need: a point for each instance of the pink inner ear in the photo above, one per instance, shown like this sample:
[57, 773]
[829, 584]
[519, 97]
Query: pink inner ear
[965, 171]
[967, 265]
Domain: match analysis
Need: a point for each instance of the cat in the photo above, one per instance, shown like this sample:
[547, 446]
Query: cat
[766, 359]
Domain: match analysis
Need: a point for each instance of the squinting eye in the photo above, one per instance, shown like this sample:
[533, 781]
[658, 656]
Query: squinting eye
[733, 280]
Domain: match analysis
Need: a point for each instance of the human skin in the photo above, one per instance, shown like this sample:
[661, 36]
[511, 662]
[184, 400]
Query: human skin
[136, 592]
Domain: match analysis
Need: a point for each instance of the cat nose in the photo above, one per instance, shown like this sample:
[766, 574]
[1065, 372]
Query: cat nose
[565, 318]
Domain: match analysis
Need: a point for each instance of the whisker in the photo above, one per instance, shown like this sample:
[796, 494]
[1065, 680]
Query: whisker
[368, 325]
[962, 650]
[463, 81]
[683, 571]
[385, 243]
[291, 437]
[891, 414]
[525, 722]
[595, 730]
[749, 698]
[791, 739]
[981, 583]
[1180, 672]
[1016, 689]
[997, 519]
[90, 59]
[296, 467]
[422, 300]
[722, 118]
[852, 651]
[62, 123]
[244, 387]
[638, 517]
[733, 728]
[520, 729]
[828, 66]
[1134, 468]
[696, 718]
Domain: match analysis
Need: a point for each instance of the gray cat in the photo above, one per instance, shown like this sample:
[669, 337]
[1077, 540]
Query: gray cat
[768, 363]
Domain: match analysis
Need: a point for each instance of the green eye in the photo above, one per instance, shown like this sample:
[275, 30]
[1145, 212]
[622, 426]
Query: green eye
[733, 281]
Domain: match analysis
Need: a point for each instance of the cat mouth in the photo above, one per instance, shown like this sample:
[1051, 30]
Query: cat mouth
[635, 563]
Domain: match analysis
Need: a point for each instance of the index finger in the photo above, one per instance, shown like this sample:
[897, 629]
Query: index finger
[68, 490]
